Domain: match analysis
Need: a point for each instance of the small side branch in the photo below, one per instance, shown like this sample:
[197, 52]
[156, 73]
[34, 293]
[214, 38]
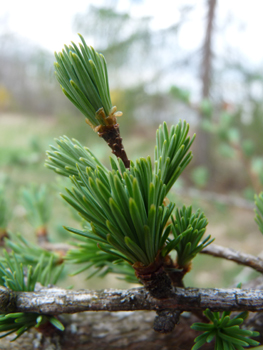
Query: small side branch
[231, 254]
[55, 301]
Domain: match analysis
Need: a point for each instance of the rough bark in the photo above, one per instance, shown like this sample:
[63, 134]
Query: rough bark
[215, 250]
[56, 301]
[122, 330]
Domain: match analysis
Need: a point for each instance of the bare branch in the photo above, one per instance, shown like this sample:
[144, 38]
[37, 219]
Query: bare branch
[231, 254]
[57, 301]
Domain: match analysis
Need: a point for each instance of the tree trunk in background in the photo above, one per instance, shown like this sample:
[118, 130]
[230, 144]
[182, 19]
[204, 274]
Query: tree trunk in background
[202, 152]
[207, 50]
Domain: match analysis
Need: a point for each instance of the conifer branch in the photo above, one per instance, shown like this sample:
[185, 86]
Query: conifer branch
[57, 301]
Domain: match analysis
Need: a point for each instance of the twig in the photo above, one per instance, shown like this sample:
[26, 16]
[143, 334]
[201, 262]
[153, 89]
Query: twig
[57, 301]
[42, 235]
[111, 134]
[231, 254]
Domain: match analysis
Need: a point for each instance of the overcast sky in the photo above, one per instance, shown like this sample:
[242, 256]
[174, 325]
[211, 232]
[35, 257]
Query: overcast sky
[49, 23]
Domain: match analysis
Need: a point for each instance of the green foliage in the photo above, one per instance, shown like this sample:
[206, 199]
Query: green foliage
[239, 140]
[28, 253]
[21, 322]
[206, 108]
[124, 207]
[180, 94]
[4, 212]
[190, 227]
[199, 176]
[13, 273]
[83, 77]
[36, 201]
[257, 167]
[127, 218]
[63, 159]
[18, 277]
[259, 211]
[171, 152]
[248, 147]
[98, 262]
[225, 330]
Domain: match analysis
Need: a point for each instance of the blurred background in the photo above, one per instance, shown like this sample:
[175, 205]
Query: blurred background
[201, 61]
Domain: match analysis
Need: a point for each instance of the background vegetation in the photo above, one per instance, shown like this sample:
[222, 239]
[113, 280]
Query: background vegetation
[152, 79]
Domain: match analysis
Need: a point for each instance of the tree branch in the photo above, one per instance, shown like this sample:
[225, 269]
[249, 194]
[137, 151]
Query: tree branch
[231, 254]
[57, 301]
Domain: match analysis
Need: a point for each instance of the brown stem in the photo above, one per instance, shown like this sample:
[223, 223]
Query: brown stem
[166, 320]
[42, 235]
[55, 301]
[154, 278]
[111, 134]
[238, 257]
[175, 272]
[176, 276]
[3, 235]
[157, 282]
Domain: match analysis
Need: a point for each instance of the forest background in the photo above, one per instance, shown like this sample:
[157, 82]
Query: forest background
[199, 61]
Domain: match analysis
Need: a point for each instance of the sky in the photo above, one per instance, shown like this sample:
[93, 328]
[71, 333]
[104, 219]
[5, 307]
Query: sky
[49, 23]
[238, 27]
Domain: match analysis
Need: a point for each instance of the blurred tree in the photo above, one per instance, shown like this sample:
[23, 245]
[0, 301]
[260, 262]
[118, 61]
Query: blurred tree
[130, 42]
[26, 77]
[203, 154]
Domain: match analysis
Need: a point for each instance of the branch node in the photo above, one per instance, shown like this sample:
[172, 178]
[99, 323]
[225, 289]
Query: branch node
[166, 320]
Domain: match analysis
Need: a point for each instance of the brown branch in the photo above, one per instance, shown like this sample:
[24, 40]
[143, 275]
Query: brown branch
[111, 134]
[42, 235]
[121, 330]
[231, 254]
[57, 301]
